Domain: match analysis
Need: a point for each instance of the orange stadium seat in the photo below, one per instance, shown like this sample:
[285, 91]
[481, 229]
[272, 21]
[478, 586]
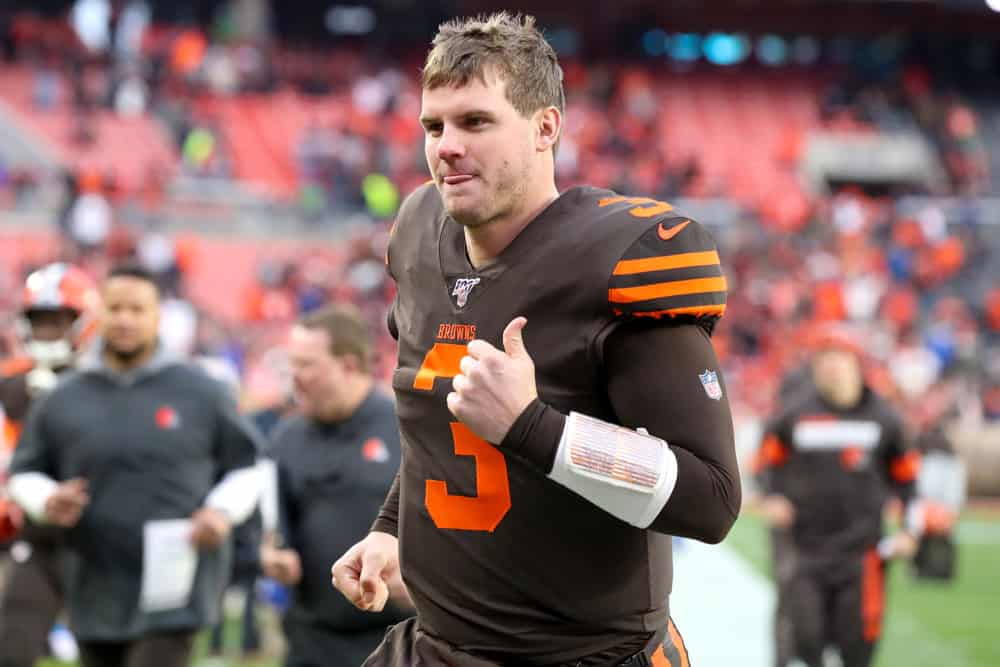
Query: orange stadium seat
[114, 152]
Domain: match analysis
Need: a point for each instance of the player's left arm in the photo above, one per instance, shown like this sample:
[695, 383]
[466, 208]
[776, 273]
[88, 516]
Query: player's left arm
[677, 475]
[667, 292]
[659, 379]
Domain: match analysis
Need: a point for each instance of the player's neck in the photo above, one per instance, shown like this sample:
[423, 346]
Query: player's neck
[124, 362]
[484, 243]
[841, 397]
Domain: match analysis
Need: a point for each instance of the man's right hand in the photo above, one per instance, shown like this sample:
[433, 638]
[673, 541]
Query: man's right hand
[367, 572]
[66, 504]
[778, 511]
[282, 565]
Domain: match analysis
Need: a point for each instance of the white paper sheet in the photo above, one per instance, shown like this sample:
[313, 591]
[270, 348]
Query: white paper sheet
[169, 563]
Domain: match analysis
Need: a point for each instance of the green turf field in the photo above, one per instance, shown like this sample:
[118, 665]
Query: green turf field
[928, 625]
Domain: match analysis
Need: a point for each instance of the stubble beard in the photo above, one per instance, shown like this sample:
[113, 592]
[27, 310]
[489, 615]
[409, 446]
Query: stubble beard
[127, 356]
[497, 203]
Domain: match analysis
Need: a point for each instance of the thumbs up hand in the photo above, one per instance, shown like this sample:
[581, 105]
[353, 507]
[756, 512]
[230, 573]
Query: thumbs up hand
[494, 386]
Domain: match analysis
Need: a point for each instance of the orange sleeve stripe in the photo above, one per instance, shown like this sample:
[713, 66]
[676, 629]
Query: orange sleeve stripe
[665, 263]
[661, 290]
[694, 311]
[905, 468]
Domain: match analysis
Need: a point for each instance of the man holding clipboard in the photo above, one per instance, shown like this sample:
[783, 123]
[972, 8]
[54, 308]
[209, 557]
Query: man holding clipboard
[147, 464]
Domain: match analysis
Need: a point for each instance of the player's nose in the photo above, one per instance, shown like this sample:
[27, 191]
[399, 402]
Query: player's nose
[450, 146]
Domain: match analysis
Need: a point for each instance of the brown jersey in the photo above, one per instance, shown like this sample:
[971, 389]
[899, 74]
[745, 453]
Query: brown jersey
[16, 399]
[501, 561]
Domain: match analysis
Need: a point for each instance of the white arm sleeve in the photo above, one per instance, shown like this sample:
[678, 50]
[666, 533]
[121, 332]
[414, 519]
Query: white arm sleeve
[629, 474]
[268, 495]
[236, 494]
[31, 490]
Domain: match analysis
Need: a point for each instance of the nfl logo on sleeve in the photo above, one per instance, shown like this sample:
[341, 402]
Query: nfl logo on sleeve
[463, 286]
[710, 381]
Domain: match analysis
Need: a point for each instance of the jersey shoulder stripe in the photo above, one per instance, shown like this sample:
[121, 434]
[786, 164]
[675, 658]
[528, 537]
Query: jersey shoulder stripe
[672, 270]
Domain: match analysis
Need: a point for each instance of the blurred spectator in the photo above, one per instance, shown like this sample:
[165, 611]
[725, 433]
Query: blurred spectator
[335, 462]
[90, 216]
[60, 304]
[109, 502]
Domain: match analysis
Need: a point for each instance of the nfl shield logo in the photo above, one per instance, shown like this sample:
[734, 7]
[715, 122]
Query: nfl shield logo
[462, 288]
[710, 381]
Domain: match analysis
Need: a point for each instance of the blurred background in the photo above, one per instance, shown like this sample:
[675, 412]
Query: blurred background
[845, 154]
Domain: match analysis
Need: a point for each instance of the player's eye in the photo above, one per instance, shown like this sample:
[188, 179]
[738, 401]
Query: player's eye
[433, 129]
[475, 121]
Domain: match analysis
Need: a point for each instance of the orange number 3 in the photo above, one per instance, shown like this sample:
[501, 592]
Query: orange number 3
[644, 207]
[487, 508]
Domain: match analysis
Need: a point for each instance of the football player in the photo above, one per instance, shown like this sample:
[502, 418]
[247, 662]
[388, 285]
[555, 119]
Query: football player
[830, 459]
[57, 310]
[561, 407]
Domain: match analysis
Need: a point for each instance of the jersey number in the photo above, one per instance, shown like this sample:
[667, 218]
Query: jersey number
[487, 508]
[643, 207]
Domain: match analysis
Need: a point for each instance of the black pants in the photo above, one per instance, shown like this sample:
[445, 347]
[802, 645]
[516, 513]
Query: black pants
[249, 632]
[31, 600]
[783, 564]
[160, 650]
[838, 605]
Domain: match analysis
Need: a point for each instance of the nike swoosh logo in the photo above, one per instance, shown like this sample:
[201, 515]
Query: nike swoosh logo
[667, 234]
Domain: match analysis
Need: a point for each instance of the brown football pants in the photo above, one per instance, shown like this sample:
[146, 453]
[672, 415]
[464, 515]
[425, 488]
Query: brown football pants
[407, 645]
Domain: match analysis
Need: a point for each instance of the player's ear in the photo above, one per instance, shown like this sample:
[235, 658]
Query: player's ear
[549, 125]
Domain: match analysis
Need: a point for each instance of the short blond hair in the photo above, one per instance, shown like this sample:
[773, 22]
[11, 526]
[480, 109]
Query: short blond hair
[508, 44]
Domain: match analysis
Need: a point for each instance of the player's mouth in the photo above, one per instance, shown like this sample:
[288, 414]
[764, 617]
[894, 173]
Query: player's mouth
[121, 334]
[457, 179]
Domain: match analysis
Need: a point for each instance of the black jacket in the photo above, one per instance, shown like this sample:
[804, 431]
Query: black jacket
[332, 479]
[151, 443]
